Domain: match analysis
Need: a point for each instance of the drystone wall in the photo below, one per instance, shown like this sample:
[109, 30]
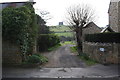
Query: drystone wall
[103, 52]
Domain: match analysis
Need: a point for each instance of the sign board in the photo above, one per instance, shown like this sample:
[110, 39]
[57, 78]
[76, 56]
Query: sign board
[102, 49]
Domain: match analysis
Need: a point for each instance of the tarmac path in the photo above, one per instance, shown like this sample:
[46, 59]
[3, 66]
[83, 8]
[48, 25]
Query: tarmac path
[63, 58]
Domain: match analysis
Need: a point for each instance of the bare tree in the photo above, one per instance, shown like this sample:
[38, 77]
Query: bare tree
[44, 14]
[79, 16]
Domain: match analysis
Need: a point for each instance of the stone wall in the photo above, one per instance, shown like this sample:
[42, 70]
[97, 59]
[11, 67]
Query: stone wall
[119, 16]
[114, 18]
[102, 52]
[10, 53]
[91, 28]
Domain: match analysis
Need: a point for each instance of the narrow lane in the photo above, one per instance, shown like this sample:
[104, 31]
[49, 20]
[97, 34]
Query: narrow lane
[62, 57]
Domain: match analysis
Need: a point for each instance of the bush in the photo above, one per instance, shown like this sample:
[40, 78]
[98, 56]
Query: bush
[43, 59]
[46, 41]
[33, 59]
[19, 26]
[103, 37]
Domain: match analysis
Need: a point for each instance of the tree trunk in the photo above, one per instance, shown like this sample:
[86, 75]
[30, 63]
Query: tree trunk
[79, 39]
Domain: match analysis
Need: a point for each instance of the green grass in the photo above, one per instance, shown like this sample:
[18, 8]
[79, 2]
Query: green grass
[59, 28]
[67, 42]
[66, 34]
[73, 49]
[62, 29]
[54, 47]
[87, 60]
[83, 57]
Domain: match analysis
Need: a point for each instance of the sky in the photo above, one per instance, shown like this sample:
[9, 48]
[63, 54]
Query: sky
[57, 9]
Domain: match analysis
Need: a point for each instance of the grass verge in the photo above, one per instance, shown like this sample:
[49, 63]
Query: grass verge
[86, 59]
[67, 42]
[73, 49]
[54, 48]
[83, 57]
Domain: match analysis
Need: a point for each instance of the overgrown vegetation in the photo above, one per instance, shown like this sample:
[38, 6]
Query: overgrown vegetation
[45, 41]
[103, 37]
[42, 28]
[20, 27]
[43, 59]
[34, 60]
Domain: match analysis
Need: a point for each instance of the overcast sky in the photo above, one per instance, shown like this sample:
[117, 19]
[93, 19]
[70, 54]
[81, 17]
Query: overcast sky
[57, 9]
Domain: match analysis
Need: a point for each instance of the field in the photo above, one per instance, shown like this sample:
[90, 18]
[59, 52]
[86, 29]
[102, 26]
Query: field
[59, 28]
[62, 31]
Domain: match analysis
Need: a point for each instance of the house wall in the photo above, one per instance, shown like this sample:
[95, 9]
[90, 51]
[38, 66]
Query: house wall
[10, 53]
[91, 29]
[114, 11]
[12, 4]
[119, 16]
[108, 55]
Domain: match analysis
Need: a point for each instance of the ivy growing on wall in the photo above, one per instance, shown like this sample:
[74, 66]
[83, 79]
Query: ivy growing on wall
[20, 27]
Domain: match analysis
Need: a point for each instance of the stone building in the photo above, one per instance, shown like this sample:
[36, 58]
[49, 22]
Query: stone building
[107, 29]
[91, 28]
[114, 15]
[60, 23]
[14, 4]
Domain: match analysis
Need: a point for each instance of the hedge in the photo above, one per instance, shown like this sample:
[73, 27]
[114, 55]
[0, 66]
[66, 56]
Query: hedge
[103, 37]
[46, 41]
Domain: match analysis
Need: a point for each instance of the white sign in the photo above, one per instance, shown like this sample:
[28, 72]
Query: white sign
[102, 49]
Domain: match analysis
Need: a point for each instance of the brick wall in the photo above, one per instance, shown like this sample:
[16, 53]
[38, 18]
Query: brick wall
[102, 52]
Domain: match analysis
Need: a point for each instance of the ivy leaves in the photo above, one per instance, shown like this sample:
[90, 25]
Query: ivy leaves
[19, 26]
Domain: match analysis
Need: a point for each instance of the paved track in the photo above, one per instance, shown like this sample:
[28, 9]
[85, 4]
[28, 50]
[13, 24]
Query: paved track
[62, 57]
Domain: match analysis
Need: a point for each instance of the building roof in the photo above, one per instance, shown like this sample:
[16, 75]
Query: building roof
[114, 0]
[91, 23]
[17, 2]
[107, 28]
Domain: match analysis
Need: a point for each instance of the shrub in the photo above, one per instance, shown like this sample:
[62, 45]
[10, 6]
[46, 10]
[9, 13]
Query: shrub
[43, 59]
[19, 26]
[103, 37]
[46, 41]
[33, 59]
